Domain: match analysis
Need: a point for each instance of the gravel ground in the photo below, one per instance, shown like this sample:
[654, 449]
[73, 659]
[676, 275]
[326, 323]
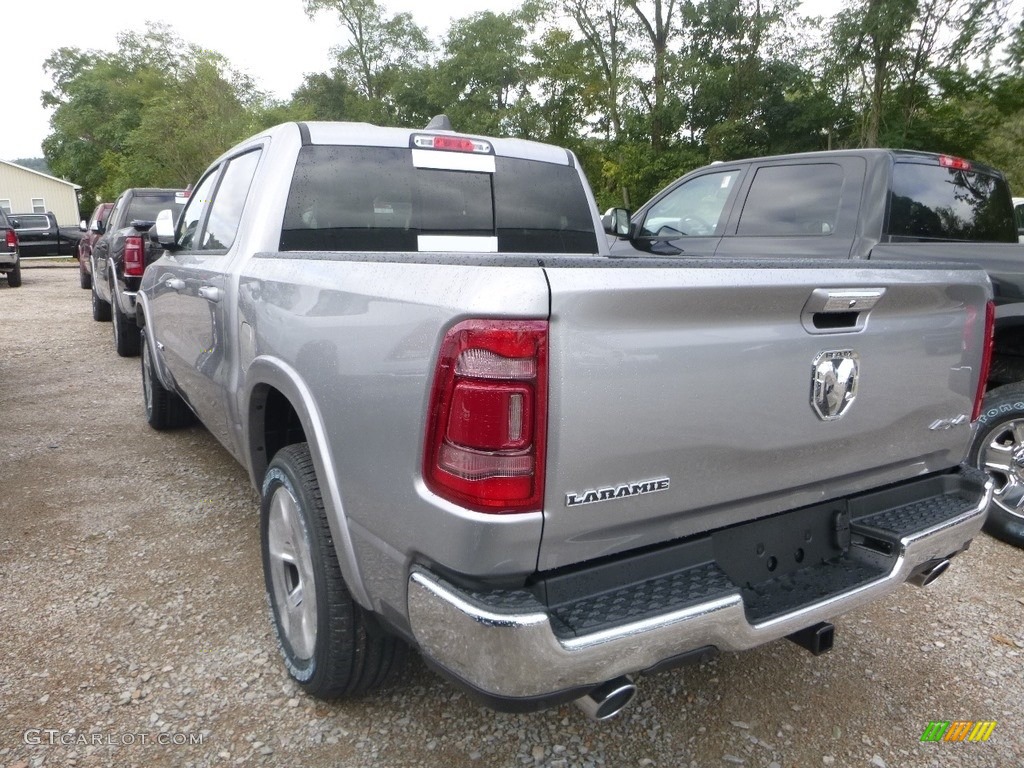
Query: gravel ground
[134, 629]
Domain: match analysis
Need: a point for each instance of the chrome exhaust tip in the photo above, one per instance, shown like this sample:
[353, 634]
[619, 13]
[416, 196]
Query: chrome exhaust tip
[608, 699]
[928, 572]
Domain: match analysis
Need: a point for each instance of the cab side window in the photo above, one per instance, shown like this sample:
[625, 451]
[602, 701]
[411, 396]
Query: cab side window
[787, 200]
[226, 210]
[694, 208]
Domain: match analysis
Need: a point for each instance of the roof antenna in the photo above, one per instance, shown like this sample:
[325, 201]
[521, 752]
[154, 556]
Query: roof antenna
[439, 123]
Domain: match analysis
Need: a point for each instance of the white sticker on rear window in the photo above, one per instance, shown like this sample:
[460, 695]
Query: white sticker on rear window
[457, 243]
[726, 180]
[452, 161]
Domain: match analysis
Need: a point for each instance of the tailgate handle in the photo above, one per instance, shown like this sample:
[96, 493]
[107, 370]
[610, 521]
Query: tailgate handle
[839, 310]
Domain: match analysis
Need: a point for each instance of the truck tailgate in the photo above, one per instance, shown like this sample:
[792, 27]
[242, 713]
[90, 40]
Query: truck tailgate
[682, 396]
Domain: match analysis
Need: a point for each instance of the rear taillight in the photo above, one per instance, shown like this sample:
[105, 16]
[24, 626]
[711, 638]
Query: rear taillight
[487, 423]
[986, 359]
[134, 256]
[12, 239]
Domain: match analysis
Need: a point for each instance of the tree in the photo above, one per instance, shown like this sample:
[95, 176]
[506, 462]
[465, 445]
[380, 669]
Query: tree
[154, 112]
[378, 53]
[659, 24]
[601, 24]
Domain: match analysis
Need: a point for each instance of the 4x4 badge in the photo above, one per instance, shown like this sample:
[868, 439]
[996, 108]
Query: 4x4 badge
[834, 377]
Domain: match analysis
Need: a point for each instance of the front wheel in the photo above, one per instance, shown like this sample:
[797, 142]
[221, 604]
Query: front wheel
[998, 449]
[331, 647]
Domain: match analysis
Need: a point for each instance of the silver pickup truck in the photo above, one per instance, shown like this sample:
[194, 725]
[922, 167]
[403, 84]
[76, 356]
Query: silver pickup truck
[479, 435]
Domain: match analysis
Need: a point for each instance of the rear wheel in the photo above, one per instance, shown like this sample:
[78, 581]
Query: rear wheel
[14, 276]
[331, 647]
[998, 449]
[84, 278]
[100, 308]
[126, 333]
[164, 409]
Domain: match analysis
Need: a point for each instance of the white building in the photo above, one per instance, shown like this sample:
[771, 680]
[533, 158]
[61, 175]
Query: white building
[23, 190]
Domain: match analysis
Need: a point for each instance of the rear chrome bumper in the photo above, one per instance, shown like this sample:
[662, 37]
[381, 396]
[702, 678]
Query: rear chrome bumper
[501, 645]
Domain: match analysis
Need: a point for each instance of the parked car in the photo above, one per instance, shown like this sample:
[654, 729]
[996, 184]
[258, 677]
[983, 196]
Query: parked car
[91, 232]
[547, 469]
[10, 259]
[871, 206]
[1018, 213]
[120, 255]
[39, 234]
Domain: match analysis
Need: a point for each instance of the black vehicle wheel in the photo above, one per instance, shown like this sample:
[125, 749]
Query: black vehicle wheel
[998, 449]
[164, 409]
[100, 308]
[330, 646]
[14, 276]
[84, 278]
[126, 334]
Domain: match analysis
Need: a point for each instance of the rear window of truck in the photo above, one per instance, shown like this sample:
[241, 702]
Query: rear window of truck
[930, 202]
[375, 199]
[148, 207]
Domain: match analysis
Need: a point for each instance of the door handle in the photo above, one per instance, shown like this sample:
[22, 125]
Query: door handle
[174, 283]
[210, 293]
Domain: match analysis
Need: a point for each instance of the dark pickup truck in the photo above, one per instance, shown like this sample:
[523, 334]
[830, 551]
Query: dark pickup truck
[120, 255]
[877, 205]
[40, 235]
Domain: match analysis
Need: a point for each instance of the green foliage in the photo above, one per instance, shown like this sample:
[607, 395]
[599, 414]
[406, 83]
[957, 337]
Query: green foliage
[155, 112]
[641, 90]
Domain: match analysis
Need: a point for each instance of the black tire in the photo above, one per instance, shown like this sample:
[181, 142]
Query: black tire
[84, 278]
[14, 276]
[331, 647]
[164, 409]
[100, 308]
[998, 448]
[126, 334]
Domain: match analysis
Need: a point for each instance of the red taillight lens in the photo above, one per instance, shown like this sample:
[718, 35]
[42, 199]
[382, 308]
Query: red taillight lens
[12, 238]
[956, 163]
[986, 359]
[487, 423]
[133, 256]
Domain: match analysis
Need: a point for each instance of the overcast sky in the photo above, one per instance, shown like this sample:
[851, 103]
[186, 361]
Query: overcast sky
[276, 47]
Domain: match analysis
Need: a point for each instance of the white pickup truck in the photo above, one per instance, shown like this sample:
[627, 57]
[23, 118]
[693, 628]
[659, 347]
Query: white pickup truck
[478, 434]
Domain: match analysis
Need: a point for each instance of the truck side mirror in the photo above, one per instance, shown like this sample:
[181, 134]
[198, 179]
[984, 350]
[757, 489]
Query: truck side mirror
[99, 228]
[616, 222]
[163, 232]
[83, 225]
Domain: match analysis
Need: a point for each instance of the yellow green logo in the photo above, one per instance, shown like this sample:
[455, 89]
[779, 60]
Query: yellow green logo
[959, 730]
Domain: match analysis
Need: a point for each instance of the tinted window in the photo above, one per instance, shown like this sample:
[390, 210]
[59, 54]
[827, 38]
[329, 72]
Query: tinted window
[146, 207]
[929, 202]
[226, 211]
[374, 199]
[32, 221]
[693, 208]
[787, 200]
[1019, 215]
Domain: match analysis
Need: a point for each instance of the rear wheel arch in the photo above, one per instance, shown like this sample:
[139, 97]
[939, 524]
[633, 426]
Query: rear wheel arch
[280, 411]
